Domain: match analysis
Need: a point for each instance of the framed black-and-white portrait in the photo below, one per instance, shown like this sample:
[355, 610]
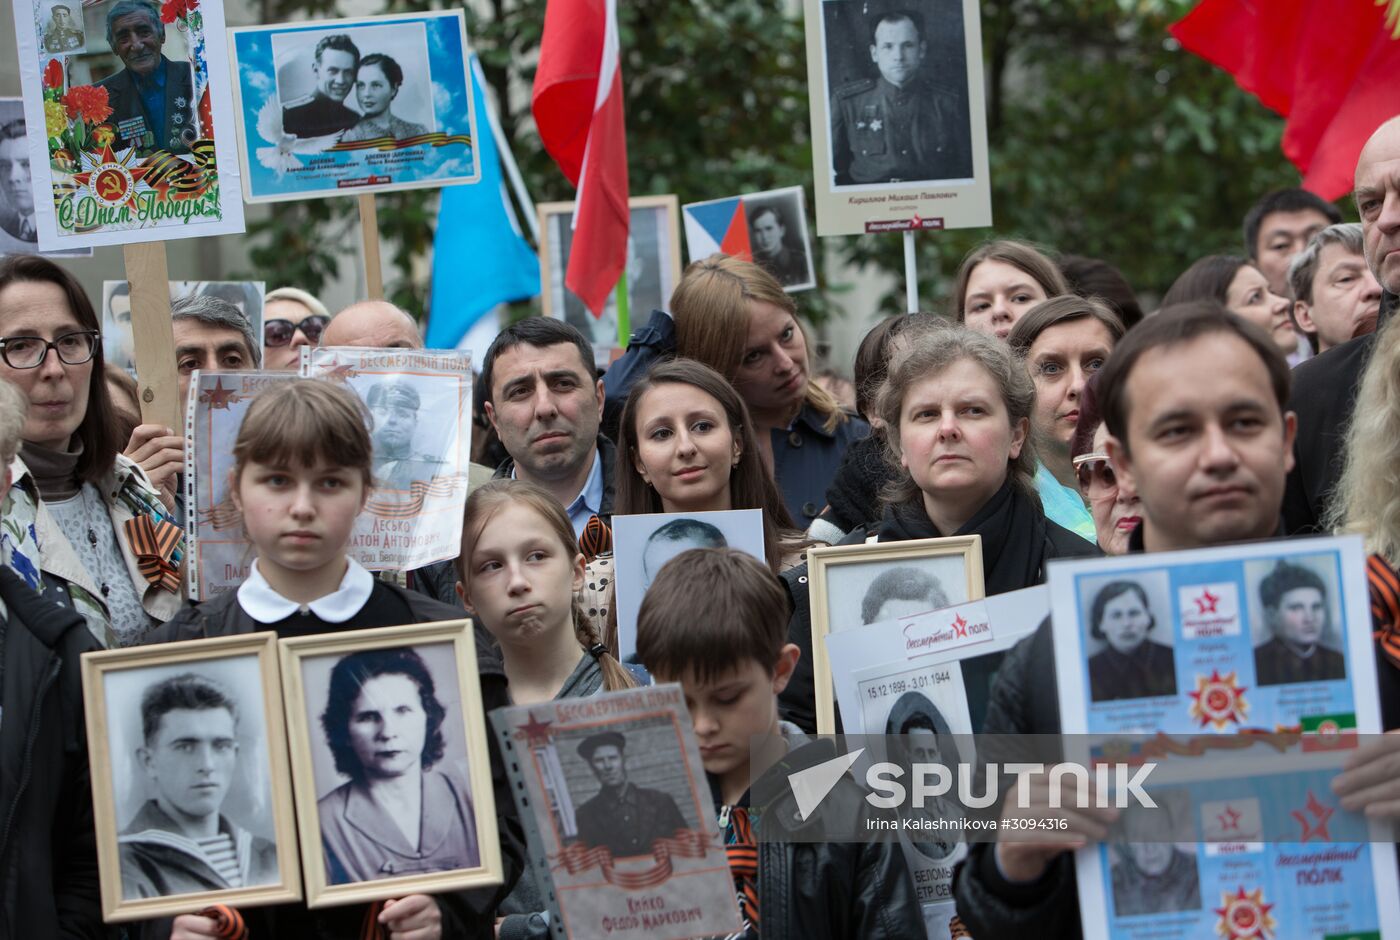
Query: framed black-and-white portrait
[390, 763]
[767, 228]
[191, 794]
[18, 230]
[653, 268]
[875, 582]
[118, 345]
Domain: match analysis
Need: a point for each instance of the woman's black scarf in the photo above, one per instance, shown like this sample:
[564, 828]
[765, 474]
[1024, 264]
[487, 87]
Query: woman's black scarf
[1012, 526]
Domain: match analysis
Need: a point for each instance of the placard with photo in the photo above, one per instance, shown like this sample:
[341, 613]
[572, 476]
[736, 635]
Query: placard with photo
[109, 163]
[190, 786]
[569, 761]
[19, 232]
[117, 346]
[899, 129]
[390, 762]
[653, 268]
[767, 228]
[361, 105]
[644, 542]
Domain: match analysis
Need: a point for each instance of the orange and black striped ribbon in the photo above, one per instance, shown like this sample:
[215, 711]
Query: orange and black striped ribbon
[742, 848]
[1384, 583]
[372, 929]
[153, 542]
[228, 923]
[596, 539]
[437, 139]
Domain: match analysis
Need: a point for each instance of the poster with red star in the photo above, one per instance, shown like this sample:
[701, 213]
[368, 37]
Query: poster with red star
[621, 825]
[1239, 680]
[130, 121]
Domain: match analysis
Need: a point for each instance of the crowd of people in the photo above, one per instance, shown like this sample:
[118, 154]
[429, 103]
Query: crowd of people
[1043, 411]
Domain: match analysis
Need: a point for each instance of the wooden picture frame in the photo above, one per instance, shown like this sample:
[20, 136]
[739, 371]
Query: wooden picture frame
[463, 738]
[825, 566]
[224, 664]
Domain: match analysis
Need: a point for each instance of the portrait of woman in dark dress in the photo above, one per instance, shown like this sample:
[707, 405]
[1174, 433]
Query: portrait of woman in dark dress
[1131, 665]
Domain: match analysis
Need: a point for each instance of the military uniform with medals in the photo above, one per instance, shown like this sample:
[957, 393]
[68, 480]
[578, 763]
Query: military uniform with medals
[884, 134]
[317, 116]
[62, 39]
[173, 129]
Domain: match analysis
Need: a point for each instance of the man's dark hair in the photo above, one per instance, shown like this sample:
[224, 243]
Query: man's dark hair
[12, 130]
[772, 210]
[1094, 277]
[391, 69]
[689, 530]
[349, 676]
[339, 42]
[538, 332]
[1282, 200]
[904, 583]
[1107, 593]
[187, 690]
[1288, 577]
[894, 16]
[1172, 326]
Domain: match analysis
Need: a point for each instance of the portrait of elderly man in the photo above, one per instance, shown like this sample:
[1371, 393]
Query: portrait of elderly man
[768, 237]
[180, 841]
[16, 198]
[902, 124]
[622, 817]
[152, 98]
[62, 33]
[401, 812]
[323, 112]
[377, 84]
[1153, 876]
[1295, 606]
[394, 407]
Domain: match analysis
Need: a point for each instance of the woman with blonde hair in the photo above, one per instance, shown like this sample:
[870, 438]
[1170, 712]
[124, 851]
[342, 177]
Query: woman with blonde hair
[735, 318]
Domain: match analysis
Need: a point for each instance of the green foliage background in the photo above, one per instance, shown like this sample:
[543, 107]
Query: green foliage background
[1106, 138]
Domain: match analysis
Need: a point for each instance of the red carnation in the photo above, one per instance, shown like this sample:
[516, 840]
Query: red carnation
[173, 10]
[88, 102]
[53, 74]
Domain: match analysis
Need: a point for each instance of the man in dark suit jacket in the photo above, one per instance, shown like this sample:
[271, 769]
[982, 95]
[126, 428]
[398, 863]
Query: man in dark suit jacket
[152, 98]
[622, 817]
[16, 198]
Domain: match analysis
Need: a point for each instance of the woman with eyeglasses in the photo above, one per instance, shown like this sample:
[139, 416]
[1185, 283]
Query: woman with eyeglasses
[1063, 342]
[1113, 503]
[292, 318]
[83, 524]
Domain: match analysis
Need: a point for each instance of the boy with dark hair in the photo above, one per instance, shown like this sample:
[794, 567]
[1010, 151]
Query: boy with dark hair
[732, 663]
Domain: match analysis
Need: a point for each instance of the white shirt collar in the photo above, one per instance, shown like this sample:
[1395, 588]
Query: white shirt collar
[265, 605]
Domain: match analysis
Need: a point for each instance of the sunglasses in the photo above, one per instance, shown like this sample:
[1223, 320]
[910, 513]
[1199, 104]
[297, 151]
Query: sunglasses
[280, 332]
[1095, 475]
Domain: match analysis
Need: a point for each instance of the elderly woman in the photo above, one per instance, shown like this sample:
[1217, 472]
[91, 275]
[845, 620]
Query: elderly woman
[396, 815]
[377, 84]
[1114, 504]
[83, 523]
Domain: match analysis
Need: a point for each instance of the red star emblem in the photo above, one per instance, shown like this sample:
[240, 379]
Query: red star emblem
[1317, 827]
[1206, 603]
[1230, 819]
[219, 398]
[918, 222]
[960, 626]
[1245, 916]
[535, 732]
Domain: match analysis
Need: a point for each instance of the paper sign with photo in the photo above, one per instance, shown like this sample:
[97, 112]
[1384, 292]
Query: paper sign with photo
[354, 106]
[19, 233]
[899, 128]
[129, 141]
[1272, 639]
[420, 406]
[219, 553]
[767, 228]
[117, 346]
[643, 543]
[567, 760]
[930, 674]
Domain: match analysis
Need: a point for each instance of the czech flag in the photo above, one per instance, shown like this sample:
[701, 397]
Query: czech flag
[720, 225]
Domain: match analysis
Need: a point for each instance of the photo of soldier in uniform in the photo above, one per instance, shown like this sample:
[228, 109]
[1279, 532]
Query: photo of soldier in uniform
[354, 83]
[152, 95]
[1127, 664]
[1151, 873]
[898, 95]
[189, 751]
[622, 817]
[63, 33]
[777, 236]
[1296, 644]
[394, 407]
[919, 734]
[404, 809]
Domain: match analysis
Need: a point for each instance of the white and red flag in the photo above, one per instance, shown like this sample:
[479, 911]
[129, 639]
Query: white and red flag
[577, 102]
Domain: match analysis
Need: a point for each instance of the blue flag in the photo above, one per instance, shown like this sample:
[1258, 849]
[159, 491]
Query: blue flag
[480, 259]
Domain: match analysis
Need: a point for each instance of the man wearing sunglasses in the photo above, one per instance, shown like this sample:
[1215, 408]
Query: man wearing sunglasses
[292, 318]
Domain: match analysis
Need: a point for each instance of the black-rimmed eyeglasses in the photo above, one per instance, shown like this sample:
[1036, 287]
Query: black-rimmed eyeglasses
[29, 352]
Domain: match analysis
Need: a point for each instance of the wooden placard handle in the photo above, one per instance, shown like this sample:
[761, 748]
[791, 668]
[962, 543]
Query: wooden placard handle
[369, 230]
[151, 334]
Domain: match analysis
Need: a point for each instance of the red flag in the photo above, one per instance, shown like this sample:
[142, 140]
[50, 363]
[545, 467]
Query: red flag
[1331, 67]
[577, 102]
